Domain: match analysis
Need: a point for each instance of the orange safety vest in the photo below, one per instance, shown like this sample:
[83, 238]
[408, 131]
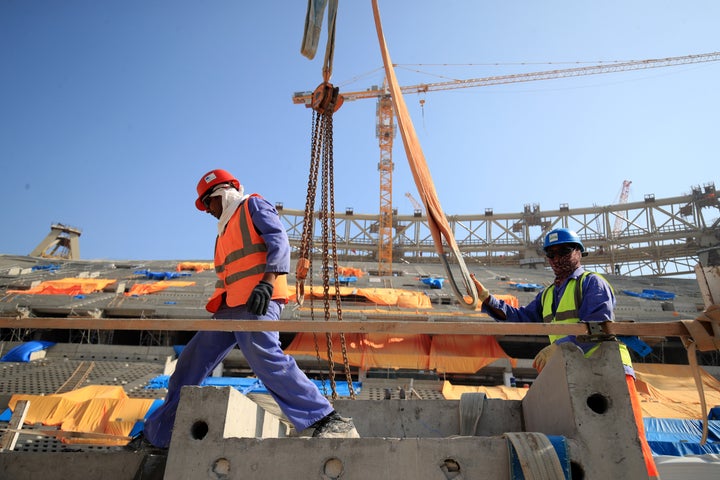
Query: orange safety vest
[240, 261]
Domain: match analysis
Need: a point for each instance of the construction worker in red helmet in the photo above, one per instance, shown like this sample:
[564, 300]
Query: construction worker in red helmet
[252, 259]
[558, 304]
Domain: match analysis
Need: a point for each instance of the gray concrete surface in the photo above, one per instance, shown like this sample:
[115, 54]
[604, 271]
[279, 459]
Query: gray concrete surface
[584, 400]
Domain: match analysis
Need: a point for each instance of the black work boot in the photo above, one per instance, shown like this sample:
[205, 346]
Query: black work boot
[335, 426]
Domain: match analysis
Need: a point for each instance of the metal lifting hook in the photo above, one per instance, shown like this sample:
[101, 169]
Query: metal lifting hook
[326, 99]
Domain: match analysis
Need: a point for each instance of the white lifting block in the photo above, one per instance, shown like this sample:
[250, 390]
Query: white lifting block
[217, 413]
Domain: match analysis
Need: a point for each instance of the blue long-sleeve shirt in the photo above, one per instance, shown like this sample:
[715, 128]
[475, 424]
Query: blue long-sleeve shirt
[267, 222]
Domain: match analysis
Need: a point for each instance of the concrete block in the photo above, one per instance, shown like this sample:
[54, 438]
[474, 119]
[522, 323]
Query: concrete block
[217, 413]
[459, 458]
[587, 399]
[427, 418]
[220, 434]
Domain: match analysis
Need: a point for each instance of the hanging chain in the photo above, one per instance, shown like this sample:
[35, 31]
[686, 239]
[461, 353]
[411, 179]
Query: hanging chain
[328, 100]
[343, 346]
[304, 263]
[325, 123]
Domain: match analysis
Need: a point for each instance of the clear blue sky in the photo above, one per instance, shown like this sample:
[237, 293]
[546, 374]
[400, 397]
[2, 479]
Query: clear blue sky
[110, 111]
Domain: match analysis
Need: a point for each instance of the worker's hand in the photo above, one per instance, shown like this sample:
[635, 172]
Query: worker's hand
[483, 292]
[544, 356]
[260, 298]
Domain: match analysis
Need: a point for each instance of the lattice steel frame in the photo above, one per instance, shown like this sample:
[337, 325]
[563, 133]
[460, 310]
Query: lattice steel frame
[658, 236]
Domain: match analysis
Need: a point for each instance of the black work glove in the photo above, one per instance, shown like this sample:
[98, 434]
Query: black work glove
[260, 298]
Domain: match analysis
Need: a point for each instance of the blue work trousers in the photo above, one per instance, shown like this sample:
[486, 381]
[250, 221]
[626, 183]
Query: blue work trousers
[299, 398]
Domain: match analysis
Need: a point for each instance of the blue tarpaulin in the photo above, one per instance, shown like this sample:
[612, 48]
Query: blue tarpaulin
[345, 279]
[651, 294]
[21, 353]
[161, 275]
[680, 437]
[140, 424]
[634, 342]
[433, 282]
[528, 287]
[253, 385]
[51, 268]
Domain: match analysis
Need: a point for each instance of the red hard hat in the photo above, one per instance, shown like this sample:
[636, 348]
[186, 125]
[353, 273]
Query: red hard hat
[209, 180]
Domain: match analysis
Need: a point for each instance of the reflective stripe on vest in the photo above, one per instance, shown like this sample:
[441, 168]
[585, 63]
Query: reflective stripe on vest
[568, 311]
[240, 260]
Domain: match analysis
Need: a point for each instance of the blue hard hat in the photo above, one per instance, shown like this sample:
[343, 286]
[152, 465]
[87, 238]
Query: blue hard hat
[561, 236]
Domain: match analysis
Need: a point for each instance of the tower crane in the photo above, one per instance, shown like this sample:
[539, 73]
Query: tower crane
[385, 130]
[416, 205]
[624, 192]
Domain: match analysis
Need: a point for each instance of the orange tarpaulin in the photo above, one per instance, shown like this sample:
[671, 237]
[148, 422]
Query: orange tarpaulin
[196, 266]
[444, 353]
[453, 392]
[381, 296]
[464, 353]
[668, 391]
[350, 272]
[68, 286]
[665, 391]
[509, 299]
[147, 288]
[98, 409]
[394, 351]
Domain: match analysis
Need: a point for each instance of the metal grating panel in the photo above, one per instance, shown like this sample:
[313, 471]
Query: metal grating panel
[379, 393]
[47, 376]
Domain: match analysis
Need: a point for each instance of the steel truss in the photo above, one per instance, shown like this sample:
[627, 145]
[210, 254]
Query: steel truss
[657, 236]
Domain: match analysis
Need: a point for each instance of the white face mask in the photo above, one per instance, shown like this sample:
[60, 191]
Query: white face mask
[231, 200]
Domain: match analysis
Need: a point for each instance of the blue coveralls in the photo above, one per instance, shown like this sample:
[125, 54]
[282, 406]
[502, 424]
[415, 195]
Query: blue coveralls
[299, 398]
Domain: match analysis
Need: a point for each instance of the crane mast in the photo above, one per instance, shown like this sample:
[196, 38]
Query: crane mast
[385, 133]
[385, 129]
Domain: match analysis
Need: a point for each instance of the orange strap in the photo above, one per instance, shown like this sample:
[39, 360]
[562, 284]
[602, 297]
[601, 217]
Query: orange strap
[437, 222]
[637, 412]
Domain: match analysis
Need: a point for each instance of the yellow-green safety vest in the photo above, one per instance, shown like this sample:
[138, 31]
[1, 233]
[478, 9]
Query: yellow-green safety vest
[568, 311]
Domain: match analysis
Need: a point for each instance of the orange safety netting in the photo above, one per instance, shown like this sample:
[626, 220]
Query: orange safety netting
[95, 409]
[443, 353]
[380, 296]
[196, 266]
[68, 286]
[147, 288]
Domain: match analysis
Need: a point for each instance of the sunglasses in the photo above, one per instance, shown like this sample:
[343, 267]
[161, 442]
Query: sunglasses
[560, 252]
[206, 199]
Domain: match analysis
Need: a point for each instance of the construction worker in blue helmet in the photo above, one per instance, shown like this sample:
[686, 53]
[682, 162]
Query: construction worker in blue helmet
[576, 295]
